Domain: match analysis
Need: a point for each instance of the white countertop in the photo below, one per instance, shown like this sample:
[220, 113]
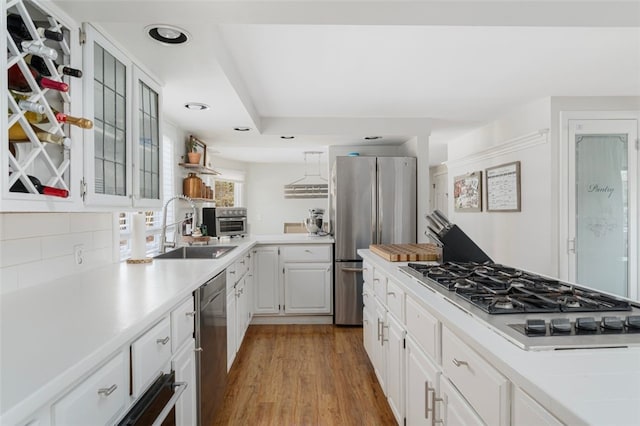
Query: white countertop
[53, 334]
[586, 386]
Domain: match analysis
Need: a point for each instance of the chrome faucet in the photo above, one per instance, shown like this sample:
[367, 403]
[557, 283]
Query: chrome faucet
[163, 235]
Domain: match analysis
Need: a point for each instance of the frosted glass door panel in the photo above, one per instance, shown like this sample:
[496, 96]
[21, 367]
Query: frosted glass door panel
[602, 212]
[148, 143]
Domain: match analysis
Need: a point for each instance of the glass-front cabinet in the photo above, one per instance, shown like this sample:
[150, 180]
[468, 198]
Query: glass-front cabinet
[83, 124]
[123, 156]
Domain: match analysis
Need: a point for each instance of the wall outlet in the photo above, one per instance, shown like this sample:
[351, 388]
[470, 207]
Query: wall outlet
[78, 252]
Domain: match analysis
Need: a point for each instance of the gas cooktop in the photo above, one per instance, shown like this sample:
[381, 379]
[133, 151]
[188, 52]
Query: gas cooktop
[533, 311]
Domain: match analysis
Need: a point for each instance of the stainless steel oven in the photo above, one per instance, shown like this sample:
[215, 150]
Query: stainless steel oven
[157, 406]
[225, 221]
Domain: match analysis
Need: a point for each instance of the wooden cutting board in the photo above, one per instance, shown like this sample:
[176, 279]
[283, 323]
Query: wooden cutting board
[406, 252]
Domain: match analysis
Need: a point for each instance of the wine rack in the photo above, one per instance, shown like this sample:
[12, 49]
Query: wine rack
[50, 163]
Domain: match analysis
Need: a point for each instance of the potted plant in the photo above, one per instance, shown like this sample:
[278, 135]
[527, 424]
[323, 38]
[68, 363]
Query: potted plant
[192, 151]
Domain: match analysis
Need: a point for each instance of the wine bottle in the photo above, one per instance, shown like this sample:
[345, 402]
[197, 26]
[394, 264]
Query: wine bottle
[40, 65]
[61, 118]
[26, 105]
[17, 27]
[17, 134]
[17, 81]
[42, 189]
[35, 47]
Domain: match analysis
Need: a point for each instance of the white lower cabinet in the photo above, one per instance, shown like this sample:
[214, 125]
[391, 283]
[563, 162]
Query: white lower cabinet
[393, 346]
[454, 409]
[266, 290]
[482, 385]
[184, 365]
[378, 355]
[525, 411]
[422, 386]
[99, 399]
[307, 288]
[149, 354]
[231, 329]
[368, 320]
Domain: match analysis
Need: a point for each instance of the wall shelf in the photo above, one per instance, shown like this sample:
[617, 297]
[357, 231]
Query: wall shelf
[198, 168]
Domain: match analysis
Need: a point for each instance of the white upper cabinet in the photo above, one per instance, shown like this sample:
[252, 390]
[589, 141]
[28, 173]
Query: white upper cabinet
[123, 155]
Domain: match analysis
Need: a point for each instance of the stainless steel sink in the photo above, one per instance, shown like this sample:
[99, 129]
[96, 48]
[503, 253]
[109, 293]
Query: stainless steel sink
[196, 252]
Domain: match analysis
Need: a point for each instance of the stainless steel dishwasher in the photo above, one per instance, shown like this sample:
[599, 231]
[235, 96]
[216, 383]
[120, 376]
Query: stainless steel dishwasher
[211, 341]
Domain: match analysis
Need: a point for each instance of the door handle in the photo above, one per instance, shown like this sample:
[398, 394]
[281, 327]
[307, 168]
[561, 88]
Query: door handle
[181, 386]
[107, 391]
[163, 341]
[352, 269]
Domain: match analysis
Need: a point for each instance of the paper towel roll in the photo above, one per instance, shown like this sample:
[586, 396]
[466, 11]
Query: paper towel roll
[138, 237]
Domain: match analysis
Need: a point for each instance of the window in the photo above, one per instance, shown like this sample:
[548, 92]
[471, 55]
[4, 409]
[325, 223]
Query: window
[153, 219]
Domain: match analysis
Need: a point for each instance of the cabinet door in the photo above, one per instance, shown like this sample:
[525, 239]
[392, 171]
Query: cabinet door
[455, 410]
[368, 321]
[185, 367]
[379, 356]
[393, 340]
[241, 312]
[231, 328]
[421, 385]
[527, 412]
[307, 288]
[266, 280]
[108, 84]
[147, 136]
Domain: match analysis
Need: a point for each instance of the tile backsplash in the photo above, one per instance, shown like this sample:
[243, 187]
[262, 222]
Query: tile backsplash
[39, 247]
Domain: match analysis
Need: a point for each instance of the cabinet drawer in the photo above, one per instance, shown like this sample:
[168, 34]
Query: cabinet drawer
[455, 410]
[380, 286]
[307, 253]
[98, 400]
[526, 411]
[182, 324]
[149, 354]
[423, 327]
[395, 300]
[367, 273]
[486, 390]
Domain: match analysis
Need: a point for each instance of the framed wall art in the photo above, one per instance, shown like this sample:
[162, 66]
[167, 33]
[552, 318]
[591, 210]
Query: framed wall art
[467, 192]
[503, 187]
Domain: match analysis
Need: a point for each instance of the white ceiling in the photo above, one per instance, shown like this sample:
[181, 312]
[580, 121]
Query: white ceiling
[332, 72]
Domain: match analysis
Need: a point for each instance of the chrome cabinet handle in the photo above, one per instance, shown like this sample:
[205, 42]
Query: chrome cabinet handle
[459, 363]
[198, 350]
[307, 251]
[378, 329]
[391, 293]
[163, 341]
[232, 272]
[107, 391]
[383, 339]
[352, 269]
[190, 314]
[376, 279]
[427, 410]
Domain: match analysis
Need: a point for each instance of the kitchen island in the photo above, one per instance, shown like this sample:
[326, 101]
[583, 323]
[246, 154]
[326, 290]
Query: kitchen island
[55, 334]
[579, 386]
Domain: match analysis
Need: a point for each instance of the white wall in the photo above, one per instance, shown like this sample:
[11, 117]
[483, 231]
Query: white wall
[267, 209]
[521, 239]
[39, 247]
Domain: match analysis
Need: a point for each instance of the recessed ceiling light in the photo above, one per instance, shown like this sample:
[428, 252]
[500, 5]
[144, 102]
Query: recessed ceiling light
[287, 137]
[196, 106]
[167, 34]
[242, 129]
[372, 138]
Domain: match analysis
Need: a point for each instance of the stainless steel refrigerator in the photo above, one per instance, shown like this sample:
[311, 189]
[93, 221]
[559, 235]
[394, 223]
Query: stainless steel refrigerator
[373, 201]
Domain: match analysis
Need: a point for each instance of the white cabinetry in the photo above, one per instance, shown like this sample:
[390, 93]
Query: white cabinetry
[455, 411]
[123, 154]
[266, 280]
[422, 386]
[238, 308]
[527, 412]
[99, 399]
[149, 354]
[293, 279]
[184, 365]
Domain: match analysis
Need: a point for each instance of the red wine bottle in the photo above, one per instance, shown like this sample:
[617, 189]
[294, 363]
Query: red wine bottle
[17, 81]
[41, 66]
[17, 27]
[42, 189]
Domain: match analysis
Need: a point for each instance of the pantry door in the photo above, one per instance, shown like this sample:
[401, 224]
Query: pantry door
[603, 205]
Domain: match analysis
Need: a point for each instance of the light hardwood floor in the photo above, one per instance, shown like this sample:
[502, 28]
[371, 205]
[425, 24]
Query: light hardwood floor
[303, 375]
